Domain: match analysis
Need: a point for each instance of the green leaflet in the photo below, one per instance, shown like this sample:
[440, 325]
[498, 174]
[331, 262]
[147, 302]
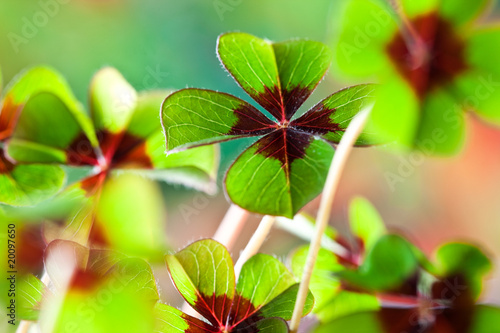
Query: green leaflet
[193, 117]
[112, 100]
[365, 222]
[28, 184]
[391, 261]
[467, 261]
[30, 294]
[130, 214]
[279, 185]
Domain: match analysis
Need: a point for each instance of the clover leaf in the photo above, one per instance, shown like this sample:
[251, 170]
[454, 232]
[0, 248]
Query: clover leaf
[287, 166]
[261, 300]
[105, 290]
[434, 62]
[25, 184]
[122, 135]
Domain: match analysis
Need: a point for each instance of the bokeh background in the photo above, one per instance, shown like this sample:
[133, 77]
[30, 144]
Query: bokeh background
[171, 44]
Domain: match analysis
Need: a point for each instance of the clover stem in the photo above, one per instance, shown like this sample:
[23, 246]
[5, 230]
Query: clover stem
[416, 46]
[255, 242]
[24, 326]
[338, 163]
[231, 226]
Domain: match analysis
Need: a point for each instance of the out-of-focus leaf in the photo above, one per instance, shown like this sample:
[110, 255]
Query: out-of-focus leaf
[324, 285]
[391, 261]
[442, 126]
[30, 294]
[130, 214]
[30, 83]
[357, 323]
[112, 100]
[486, 320]
[345, 303]
[365, 221]
[462, 11]
[39, 135]
[28, 184]
[459, 259]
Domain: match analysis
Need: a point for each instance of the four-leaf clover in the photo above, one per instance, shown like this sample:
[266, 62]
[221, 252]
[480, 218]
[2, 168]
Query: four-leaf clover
[261, 300]
[287, 166]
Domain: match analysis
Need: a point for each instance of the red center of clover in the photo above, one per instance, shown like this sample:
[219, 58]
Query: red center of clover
[442, 60]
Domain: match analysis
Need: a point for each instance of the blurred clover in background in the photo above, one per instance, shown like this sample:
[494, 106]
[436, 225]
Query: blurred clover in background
[435, 60]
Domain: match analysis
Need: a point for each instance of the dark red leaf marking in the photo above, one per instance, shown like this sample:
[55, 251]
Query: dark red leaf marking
[91, 184]
[131, 150]
[272, 101]
[317, 121]
[84, 280]
[8, 117]
[243, 313]
[251, 122]
[214, 308]
[225, 315]
[455, 292]
[282, 105]
[31, 248]
[80, 152]
[118, 150]
[397, 320]
[445, 58]
[285, 145]
[97, 236]
[198, 326]
[293, 100]
[6, 166]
